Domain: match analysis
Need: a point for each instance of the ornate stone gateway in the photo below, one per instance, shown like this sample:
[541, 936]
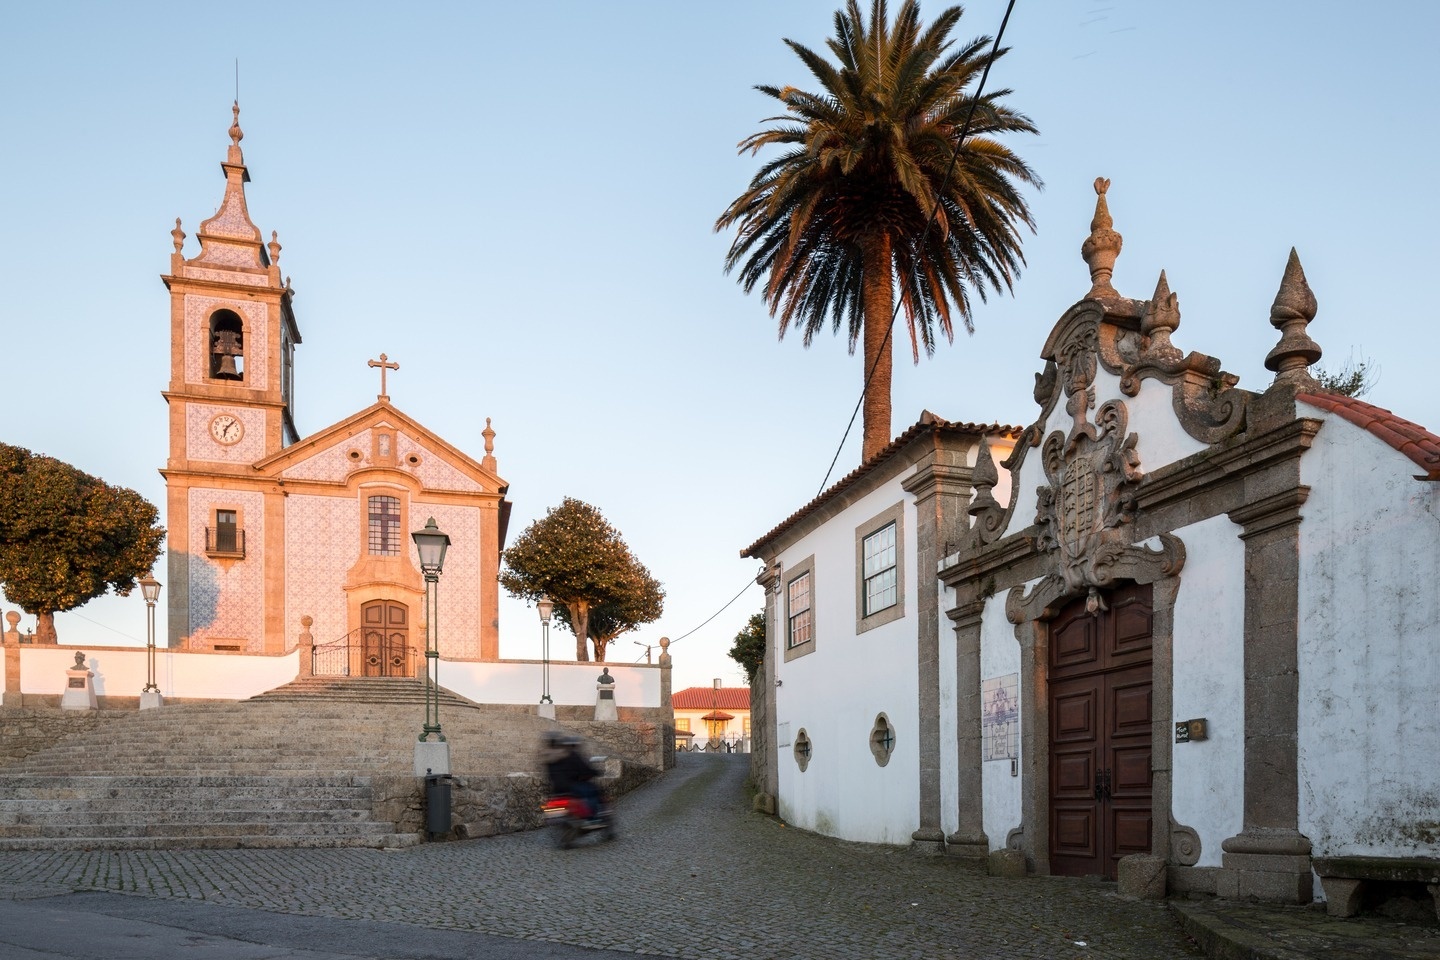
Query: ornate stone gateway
[1100, 733]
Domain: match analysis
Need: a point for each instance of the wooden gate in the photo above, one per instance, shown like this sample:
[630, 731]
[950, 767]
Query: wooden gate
[1100, 734]
[385, 639]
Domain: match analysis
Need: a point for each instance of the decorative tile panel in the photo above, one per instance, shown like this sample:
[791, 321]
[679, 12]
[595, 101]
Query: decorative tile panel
[1000, 720]
[197, 338]
[199, 445]
[227, 597]
[228, 254]
[434, 472]
[332, 463]
[322, 540]
[459, 595]
[226, 276]
[233, 220]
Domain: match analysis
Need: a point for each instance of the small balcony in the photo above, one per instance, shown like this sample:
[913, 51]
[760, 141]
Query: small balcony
[224, 541]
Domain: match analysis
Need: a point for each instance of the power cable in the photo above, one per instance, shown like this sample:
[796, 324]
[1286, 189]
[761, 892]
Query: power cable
[934, 209]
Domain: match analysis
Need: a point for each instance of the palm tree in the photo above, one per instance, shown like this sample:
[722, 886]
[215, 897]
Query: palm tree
[837, 223]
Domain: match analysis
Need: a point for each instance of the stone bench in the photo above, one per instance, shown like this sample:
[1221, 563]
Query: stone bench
[1343, 877]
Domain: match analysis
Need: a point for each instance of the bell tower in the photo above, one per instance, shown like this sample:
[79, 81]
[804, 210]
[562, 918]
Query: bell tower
[232, 336]
[231, 397]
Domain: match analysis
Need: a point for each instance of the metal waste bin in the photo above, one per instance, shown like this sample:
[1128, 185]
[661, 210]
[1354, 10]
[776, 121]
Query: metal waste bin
[437, 805]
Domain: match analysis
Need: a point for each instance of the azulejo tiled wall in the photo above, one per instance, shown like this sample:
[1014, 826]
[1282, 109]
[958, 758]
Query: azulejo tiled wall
[321, 544]
[227, 595]
[458, 593]
[433, 471]
[332, 463]
[197, 337]
[199, 445]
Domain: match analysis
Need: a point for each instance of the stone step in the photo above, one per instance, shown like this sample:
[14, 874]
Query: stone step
[218, 842]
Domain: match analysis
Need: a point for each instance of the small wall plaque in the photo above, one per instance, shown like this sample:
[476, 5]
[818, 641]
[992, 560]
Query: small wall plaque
[77, 683]
[1189, 731]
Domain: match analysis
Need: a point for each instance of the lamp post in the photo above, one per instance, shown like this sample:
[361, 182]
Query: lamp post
[547, 706]
[150, 695]
[431, 544]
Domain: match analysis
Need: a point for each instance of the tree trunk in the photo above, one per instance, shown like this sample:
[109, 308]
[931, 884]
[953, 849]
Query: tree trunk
[601, 645]
[580, 621]
[877, 282]
[45, 628]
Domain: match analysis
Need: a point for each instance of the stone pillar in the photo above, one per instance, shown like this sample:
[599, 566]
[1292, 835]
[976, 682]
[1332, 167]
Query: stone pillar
[942, 490]
[605, 711]
[11, 638]
[667, 707]
[969, 839]
[1270, 859]
[79, 687]
[306, 648]
[764, 756]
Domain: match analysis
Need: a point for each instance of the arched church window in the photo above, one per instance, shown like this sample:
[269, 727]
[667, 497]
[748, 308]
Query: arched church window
[227, 346]
[385, 526]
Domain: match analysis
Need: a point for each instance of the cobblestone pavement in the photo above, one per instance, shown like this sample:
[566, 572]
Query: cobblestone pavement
[694, 874]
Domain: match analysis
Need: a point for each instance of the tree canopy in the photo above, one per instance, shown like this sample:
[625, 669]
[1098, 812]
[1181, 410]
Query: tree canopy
[749, 648]
[67, 537]
[576, 558]
[836, 224]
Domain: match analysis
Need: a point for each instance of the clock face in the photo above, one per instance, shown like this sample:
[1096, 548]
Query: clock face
[227, 429]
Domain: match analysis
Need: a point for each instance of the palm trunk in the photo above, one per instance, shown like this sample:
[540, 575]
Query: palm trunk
[878, 282]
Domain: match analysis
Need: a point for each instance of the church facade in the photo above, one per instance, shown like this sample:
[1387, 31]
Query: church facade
[268, 527]
[1172, 626]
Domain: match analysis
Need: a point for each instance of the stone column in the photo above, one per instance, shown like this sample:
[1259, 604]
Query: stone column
[1270, 859]
[942, 490]
[667, 707]
[764, 755]
[11, 696]
[306, 647]
[969, 839]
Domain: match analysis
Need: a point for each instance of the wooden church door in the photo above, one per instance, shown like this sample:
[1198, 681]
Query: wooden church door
[1100, 728]
[385, 626]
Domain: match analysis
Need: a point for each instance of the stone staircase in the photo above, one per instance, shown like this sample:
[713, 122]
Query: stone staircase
[306, 764]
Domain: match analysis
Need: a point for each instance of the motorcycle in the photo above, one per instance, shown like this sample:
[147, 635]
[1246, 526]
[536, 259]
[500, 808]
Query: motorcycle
[573, 818]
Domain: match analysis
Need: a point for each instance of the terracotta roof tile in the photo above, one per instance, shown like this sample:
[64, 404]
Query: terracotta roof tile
[927, 422]
[1411, 439]
[708, 698]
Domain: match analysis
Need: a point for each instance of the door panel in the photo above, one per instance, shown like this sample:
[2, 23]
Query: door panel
[1101, 717]
[385, 638]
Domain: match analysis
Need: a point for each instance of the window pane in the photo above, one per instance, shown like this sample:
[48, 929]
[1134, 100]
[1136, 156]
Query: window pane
[801, 621]
[879, 573]
[880, 550]
[385, 526]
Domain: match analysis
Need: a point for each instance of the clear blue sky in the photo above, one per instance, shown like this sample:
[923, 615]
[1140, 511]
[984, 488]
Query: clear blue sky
[515, 202]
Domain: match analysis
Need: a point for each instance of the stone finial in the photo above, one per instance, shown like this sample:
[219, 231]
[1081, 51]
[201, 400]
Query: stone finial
[664, 650]
[984, 477]
[236, 134]
[274, 246]
[178, 236]
[1102, 247]
[1291, 314]
[489, 462]
[1162, 316]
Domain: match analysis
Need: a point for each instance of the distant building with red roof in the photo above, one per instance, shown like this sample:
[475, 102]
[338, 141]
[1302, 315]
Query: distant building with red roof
[712, 718]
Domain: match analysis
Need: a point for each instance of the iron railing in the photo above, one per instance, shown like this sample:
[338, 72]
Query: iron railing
[224, 542]
[363, 652]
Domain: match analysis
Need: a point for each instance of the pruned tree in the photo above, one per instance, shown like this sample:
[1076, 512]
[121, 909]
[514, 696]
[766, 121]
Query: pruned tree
[749, 648]
[67, 537]
[574, 556]
[641, 601]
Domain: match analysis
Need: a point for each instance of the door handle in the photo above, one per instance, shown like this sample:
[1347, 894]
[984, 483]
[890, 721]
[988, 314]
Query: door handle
[1102, 784]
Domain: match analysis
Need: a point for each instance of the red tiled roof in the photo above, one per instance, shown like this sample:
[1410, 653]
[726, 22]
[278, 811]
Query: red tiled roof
[708, 698]
[1417, 443]
[928, 422]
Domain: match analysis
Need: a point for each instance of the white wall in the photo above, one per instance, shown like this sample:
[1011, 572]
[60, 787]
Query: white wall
[1369, 649]
[1000, 656]
[1208, 680]
[571, 683]
[121, 672]
[836, 692]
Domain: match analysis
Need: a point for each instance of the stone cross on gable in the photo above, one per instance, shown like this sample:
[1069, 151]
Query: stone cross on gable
[384, 365]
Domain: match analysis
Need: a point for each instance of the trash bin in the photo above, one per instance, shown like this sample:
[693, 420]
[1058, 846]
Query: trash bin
[437, 805]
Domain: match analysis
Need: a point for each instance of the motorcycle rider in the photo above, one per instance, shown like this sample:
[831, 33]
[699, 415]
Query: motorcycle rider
[569, 772]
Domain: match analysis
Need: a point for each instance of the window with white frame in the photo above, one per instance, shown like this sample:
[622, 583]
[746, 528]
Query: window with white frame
[800, 609]
[880, 569]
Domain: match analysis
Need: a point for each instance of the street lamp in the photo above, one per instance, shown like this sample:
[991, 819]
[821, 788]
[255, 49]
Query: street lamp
[547, 706]
[431, 544]
[150, 696]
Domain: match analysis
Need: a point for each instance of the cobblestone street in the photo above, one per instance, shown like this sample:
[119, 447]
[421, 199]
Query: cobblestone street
[694, 874]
